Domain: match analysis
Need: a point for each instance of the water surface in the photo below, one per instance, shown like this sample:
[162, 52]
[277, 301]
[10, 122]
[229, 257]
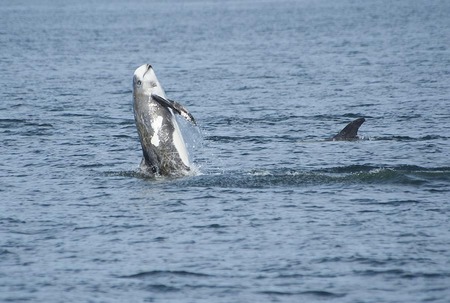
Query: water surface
[276, 213]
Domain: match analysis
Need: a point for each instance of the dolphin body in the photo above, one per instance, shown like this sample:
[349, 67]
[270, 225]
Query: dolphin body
[163, 147]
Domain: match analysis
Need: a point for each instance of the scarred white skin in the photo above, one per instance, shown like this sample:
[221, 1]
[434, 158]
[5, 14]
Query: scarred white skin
[163, 146]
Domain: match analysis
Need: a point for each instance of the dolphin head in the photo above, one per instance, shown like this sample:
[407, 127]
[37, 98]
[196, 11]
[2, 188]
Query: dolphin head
[145, 82]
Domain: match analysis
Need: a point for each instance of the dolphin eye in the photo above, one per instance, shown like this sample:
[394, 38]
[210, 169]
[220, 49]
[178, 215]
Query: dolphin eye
[139, 82]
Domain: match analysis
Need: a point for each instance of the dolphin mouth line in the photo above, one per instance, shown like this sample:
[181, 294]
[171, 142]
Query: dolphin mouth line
[148, 68]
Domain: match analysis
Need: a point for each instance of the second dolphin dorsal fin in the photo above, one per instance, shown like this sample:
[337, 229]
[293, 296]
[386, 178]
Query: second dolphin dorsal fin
[350, 132]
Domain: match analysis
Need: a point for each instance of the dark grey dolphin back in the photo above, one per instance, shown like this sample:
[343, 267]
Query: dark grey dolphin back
[350, 132]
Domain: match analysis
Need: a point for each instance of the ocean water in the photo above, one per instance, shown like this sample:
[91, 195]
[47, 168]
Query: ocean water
[274, 212]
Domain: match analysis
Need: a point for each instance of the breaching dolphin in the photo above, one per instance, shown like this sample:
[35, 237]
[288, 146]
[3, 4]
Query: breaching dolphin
[164, 149]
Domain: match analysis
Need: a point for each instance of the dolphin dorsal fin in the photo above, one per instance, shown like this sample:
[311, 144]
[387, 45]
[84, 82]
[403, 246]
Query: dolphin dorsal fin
[350, 132]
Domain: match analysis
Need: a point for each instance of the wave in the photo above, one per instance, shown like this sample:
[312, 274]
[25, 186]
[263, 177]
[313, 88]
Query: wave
[402, 273]
[408, 138]
[163, 273]
[320, 294]
[14, 123]
[312, 138]
[406, 175]
[353, 174]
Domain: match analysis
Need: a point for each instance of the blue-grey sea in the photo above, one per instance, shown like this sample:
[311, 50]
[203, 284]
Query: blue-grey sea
[274, 212]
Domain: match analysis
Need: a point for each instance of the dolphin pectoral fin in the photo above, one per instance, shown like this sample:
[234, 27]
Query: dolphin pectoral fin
[349, 132]
[177, 107]
[183, 112]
